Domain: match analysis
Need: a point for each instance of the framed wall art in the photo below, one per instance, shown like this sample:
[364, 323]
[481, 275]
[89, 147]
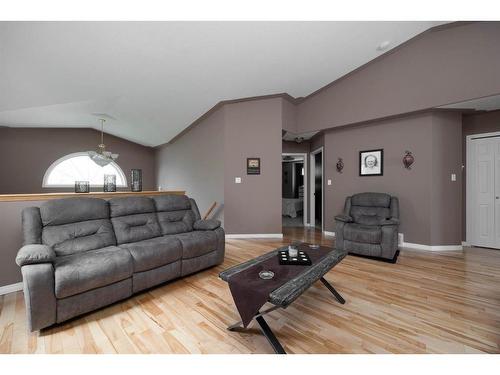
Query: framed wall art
[253, 165]
[371, 163]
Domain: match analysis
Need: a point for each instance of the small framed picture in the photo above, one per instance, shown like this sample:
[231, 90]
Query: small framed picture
[253, 165]
[371, 163]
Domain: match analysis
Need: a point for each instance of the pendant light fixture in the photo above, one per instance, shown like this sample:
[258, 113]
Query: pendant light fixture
[102, 157]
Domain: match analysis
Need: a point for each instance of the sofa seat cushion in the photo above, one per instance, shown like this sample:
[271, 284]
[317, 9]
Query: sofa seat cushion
[363, 233]
[197, 243]
[153, 253]
[92, 269]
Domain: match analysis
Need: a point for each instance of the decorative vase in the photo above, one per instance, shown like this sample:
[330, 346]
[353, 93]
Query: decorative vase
[82, 187]
[136, 180]
[109, 183]
[340, 165]
[408, 159]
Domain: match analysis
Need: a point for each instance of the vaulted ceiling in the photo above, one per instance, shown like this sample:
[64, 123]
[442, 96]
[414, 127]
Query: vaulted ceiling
[153, 79]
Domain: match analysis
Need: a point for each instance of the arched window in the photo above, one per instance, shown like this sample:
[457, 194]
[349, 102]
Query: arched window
[79, 167]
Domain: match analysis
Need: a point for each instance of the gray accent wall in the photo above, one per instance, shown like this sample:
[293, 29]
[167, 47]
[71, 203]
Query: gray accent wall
[253, 129]
[194, 162]
[447, 64]
[426, 193]
[205, 160]
[30, 151]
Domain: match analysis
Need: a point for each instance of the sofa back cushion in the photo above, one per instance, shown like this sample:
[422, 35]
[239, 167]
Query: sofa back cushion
[134, 219]
[175, 213]
[370, 208]
[76, 225]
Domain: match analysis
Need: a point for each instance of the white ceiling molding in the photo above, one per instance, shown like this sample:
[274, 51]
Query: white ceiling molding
[156, 78]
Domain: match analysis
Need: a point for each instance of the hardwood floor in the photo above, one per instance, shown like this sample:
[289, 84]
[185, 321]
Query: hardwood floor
[426, 303]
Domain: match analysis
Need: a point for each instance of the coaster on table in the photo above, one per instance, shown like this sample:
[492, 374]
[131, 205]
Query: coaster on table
[266, 275]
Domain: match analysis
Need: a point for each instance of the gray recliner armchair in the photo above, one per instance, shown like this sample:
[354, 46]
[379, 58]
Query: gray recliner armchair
[369, 226]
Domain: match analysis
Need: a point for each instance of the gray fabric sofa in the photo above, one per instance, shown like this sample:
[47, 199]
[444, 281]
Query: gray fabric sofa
[369, 226]
[81, 254]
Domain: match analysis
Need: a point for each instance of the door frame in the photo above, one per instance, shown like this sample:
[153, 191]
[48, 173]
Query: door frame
[469, 199]
[306, 174]
[312, 182]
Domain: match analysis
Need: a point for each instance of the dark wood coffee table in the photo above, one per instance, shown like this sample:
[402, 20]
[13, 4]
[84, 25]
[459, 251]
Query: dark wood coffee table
[292, 282]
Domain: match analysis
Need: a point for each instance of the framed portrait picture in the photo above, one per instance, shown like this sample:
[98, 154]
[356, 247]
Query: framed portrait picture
[253, 165]
[371, 163]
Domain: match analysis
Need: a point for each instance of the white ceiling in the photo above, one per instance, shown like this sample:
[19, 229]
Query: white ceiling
[156, 78]
[488, 103]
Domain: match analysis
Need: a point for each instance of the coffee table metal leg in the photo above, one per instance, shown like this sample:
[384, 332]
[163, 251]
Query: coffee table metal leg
[332, 289]
[239, 324]
[266, 330]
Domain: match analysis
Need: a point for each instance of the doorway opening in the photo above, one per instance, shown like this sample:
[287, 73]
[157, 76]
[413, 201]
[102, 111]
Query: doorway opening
[294, 189]
[316, 218]
[483, 190]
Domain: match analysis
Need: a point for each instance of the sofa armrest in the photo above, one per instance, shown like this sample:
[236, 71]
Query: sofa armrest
[35, 254]
[344, 218]
[39, 295]
[391, 221]
[207, 224]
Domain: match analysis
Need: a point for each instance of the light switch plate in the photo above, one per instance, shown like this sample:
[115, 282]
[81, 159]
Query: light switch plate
[329, 182]
[237, 180]
[453, 177]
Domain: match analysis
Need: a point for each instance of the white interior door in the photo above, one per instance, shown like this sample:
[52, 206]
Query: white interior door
[483, 190]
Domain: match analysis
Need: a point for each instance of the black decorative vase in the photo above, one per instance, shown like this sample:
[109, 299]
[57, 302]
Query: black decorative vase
[136, 180]
[109, 183]
[82, 187]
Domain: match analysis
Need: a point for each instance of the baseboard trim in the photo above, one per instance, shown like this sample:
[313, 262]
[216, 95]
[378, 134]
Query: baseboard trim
[465, 243]
[327, 233]
[253, 235]
[6, 289]
[417, 246]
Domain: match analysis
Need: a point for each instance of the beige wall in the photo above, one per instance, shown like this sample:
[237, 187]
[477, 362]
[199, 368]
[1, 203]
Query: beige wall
[195, 163]
[253, 129]
[30, 151]
[445, 65]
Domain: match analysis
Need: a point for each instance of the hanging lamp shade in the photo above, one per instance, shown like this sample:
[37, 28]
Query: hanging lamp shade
[102, 157]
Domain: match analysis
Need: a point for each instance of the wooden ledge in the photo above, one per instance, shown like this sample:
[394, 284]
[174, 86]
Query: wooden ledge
[97, 194]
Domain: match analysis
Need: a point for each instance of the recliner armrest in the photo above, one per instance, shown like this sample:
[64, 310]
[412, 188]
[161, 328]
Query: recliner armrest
[391, 221]
[344, 218]
[34, 254]
[208, 224]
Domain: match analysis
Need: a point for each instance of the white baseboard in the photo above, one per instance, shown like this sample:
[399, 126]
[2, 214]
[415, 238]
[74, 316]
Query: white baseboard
[465, 243]
[262, 235]
[417, 246]
[6, 289]
[331, 234]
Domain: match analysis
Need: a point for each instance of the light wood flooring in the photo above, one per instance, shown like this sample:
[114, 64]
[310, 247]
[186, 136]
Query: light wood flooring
[426, 303]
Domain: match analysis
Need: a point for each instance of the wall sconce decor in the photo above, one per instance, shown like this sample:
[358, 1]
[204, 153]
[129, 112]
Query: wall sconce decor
[340, 165]
[408, 159]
